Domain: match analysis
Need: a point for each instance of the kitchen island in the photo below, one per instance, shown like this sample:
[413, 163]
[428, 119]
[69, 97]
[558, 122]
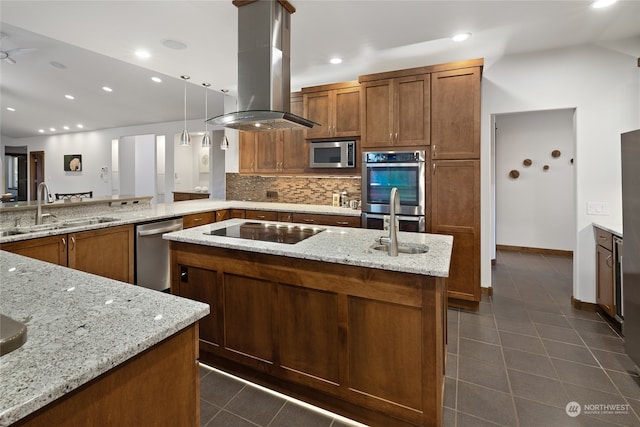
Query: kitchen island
[329, 319]
[98, 351]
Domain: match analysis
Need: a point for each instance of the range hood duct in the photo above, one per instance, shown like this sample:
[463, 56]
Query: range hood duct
[264, 88]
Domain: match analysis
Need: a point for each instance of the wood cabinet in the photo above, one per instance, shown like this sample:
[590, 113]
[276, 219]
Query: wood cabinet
[455, 192]
[201, 218]
[222, 214]
[369, 346]
[322, 219]
[283, 151]
[336, 109]
[396, 111]
[107, 252]
[179, 196]
[605, 282]
[455, 114]
[144, 390]
[261, 215]
[237, 213]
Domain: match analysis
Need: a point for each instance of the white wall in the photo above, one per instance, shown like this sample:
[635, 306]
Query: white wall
[536, 209]
[603, 86]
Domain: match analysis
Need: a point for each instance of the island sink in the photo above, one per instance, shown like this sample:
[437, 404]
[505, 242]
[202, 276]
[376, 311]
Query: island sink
[402, 249]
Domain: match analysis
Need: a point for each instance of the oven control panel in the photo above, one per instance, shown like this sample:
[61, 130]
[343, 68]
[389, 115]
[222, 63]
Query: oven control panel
[394, 157]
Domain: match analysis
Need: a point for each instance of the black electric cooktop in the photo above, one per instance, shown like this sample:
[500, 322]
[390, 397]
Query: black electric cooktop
[278, 233]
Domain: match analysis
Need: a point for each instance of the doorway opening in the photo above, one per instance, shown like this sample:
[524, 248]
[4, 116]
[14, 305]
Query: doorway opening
[36, 172]
[15, 173]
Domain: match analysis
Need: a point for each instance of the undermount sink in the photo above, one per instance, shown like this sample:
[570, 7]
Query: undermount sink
[403, 249]
[6, 233]
[12, 334]
[86, 221]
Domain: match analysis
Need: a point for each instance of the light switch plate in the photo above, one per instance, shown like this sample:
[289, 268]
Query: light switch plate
[597, 208]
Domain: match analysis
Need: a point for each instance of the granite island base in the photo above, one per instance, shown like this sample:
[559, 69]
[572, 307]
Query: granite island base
[367, 343]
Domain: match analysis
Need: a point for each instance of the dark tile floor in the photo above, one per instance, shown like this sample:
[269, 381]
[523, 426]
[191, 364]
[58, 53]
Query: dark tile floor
[518, 361]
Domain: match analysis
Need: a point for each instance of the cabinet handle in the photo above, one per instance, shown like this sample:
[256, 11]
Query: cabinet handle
[433, 150]
[609, 258]
[434, 168]
[342, 223]
[260, 216]
[603, 237]
[396, 136]
[197, 219]
[390, 137]
[64, 243]
[307, 220]
[73, 243]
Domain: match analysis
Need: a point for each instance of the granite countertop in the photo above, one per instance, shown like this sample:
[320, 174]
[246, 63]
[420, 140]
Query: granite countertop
[175, 209]
[611, 228]
[341, 245]
[32, 204]
[79, 326]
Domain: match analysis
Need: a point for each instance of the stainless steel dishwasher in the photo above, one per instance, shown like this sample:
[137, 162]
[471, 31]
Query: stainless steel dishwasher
[152, 254]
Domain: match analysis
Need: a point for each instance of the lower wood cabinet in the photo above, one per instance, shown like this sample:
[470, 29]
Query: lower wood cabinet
[605, 281]
[107, 252]
[261, 215]
[455, 193]
[321, 219]
[201, 218]
[368, 346]
[179, 196]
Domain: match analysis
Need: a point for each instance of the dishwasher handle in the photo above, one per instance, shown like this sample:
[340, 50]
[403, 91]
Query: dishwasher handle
[156, 231]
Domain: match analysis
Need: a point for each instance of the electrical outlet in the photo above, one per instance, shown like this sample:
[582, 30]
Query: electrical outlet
[597, 208]
[272, 194]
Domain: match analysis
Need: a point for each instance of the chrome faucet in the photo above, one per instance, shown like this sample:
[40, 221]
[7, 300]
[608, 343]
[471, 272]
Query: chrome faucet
[41, 187]
[392, 240]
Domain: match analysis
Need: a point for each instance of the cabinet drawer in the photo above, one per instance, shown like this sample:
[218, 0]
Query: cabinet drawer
[195, 220]
[261, 215]
[334, 220]
[237, 213]
[604, 239]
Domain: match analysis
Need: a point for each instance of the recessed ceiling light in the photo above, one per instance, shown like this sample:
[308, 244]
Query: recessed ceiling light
[65, 127]
[602, 3]
[52, 129]
[143, 54]
[107, 89]
[173, 44]
[79, 126]
[69, 97]
[41, 130]
[335, 60]
[461, 37]
[156, 79]
[11, 109]
[58, 65]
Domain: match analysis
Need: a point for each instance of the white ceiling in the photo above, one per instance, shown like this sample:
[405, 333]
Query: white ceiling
[96, 40]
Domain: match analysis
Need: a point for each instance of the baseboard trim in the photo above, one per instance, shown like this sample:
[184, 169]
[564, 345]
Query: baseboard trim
[584, 306]
[533, 250]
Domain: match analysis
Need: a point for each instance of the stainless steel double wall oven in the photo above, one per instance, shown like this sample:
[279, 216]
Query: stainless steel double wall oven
[405, 170]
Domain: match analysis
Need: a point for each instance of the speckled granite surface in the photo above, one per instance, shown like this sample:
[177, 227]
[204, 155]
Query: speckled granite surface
[79, 326]
[351, 246]
[169, 210]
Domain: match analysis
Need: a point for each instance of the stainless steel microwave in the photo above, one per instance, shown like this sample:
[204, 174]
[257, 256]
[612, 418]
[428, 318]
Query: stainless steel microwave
[332, 154]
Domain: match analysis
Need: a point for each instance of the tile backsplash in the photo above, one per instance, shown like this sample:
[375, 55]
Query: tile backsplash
[291, 189]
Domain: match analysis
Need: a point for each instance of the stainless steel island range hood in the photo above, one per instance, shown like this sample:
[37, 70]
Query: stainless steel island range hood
[264, 64]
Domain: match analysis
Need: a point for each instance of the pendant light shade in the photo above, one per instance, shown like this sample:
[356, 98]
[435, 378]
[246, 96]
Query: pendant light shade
[224, 145]
[206, 140]
[185, 139]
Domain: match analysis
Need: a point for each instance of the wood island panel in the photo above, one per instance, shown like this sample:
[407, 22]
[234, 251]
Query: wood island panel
[368, 344]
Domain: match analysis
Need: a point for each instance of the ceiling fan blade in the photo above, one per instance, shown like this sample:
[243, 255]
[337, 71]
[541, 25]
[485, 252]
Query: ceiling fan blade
[19, 51]
[10, 60]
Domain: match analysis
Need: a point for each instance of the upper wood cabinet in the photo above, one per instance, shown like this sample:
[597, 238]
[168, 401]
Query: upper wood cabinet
[455, 114]
[335, 107]
[396, 111]
[283, 151]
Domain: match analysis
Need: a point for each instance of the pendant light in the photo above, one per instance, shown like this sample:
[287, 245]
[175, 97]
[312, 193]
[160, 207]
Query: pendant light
[185, 139]
[224, 144]
[206, 140]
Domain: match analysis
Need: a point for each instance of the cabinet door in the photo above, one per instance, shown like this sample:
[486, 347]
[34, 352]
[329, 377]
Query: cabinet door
[51, 249]
[346, 112]
[604, 285]
[455, 114]
[247, 152]
[412, 113]
[317, 107]
[377, 113]
[456, 211]
[268, 151]
[295, 151]
[237, 213]
[201, 285]
[320, 219]
[107, 252]
[221, 215]
[261, 215]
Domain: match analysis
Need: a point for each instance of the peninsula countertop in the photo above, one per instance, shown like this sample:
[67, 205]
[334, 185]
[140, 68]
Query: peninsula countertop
[349, 246]
[79, 326]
